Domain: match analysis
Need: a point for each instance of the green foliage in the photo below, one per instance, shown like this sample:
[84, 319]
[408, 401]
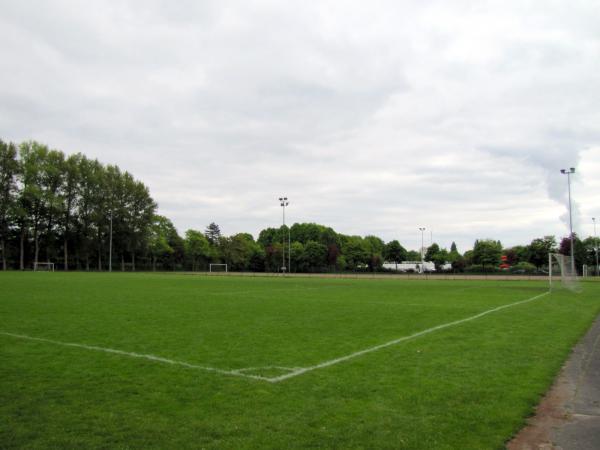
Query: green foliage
[539, 250]
[524, 268]
[197, 248]
[394, 252]
[487, 253]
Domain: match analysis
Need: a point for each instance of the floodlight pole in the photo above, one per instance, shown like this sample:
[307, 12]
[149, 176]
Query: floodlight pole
[568, 174]
[110, 244]
[422, 245]
[596, 247]
[283, 203]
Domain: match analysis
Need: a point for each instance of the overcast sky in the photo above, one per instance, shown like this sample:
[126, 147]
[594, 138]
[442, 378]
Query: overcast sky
[372, 117]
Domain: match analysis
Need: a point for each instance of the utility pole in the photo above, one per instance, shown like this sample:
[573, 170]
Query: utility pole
[596, 247]
[283, 203]
[568, 173]
[422, 248]
[110, 244]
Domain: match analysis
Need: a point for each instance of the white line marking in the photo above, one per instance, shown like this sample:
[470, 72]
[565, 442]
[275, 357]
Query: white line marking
[137, 355]
[294, 372]
[331, 362]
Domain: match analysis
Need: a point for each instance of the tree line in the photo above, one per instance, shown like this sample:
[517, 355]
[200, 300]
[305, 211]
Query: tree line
[55, 207]
[84, 215]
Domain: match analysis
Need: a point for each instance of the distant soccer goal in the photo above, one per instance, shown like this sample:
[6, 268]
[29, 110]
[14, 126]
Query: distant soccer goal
[217, 267]
[560, 267]
[43, 267]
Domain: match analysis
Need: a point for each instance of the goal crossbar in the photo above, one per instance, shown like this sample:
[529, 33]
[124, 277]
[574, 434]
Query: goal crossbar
[210, 267]
[49, 266]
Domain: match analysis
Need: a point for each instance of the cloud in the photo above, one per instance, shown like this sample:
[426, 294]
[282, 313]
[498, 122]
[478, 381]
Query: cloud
[373, 118]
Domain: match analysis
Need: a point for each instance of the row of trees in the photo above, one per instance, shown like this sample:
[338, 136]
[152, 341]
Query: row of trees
[79, 213]
[56, 207]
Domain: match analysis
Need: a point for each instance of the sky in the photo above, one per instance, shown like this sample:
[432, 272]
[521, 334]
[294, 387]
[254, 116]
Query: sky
[374, 117]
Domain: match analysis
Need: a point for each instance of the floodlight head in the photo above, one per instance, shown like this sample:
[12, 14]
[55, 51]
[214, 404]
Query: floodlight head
[563, 171]
[572, 169]
[280, 199]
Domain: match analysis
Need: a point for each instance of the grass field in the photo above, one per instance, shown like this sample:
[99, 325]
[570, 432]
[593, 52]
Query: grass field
[180, 361]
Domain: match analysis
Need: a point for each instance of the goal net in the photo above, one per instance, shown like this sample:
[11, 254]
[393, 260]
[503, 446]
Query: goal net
[217, 268]
[561, 268]
[43, 267]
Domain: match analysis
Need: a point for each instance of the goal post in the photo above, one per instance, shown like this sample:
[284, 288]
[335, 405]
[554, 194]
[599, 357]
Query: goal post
[560, 268]
[43, 267]
[217, 268]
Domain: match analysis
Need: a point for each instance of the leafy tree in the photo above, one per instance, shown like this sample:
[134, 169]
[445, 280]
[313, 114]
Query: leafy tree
[298, 258]
[440, 258]
[197, 247]
[68, 196]
[9, 170]
[539, 248]
[516, 254]
[160, 238]
[315, 254]
[413, 255]
[394, 252]
[213, 233]
[356, 252]
[591, 245]
[578, 247]
[487, 252]
[431, 251]
[32, 205]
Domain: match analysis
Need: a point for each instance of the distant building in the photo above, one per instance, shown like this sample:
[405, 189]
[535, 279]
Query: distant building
[410, 266]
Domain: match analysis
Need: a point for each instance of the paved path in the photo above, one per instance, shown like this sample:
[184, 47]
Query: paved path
[568, 418]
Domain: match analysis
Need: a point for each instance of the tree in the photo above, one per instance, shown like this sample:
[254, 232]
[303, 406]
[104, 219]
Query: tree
[591, 245]
[298, 258]
[394, 252]
[315, 254]
[158, 241]
[197, 246]
[440, 258]
[69, 195]
[539, 249]
[213, 233]
[9, 169]
[413, 255]
[32, 197]
[578, 247]
[431, 251]
[356, 252]
[487, 252]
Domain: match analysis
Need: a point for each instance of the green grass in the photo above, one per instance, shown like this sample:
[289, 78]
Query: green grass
[469, 386]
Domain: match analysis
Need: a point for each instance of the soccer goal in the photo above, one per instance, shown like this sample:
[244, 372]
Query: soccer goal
[560, 267]
[217, 268]
[43, 267]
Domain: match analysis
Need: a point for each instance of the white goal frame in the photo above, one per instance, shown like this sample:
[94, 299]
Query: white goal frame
[49, 265]
[210, 266]
[569, 280]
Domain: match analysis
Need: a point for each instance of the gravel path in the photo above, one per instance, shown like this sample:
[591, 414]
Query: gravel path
[568, 418]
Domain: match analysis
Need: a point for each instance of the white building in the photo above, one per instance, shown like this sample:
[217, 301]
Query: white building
[414, 266]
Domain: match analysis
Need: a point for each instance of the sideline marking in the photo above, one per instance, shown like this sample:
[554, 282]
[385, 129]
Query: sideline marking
[331, 362]
[294, 372]
[137, 355]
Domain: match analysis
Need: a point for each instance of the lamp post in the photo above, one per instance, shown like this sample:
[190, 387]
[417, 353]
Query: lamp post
[596, 247]
[110, 244]
[283, 202]
[568, 173]
[422, 246]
